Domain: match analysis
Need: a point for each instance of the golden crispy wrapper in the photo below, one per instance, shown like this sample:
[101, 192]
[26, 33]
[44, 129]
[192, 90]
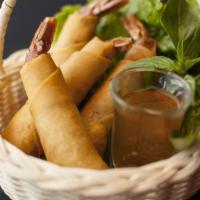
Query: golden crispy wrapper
[61, 130]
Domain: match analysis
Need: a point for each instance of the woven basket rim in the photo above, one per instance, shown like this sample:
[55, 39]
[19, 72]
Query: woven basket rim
[48, 176]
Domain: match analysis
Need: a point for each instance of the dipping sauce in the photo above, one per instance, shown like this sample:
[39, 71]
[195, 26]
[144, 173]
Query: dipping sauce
[141, 133]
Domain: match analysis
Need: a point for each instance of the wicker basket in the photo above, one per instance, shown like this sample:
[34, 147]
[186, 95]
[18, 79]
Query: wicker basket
[23, 177]
[26, 178]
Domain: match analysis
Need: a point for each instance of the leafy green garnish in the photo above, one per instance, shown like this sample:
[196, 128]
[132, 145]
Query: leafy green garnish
[184, 32]
[181, 143]
[62, 15]
[192, 82]
[190, 129]
[157, 62]
[184, 29]
[111, 26]
[191, 62]
[149, 11]
[164, 42]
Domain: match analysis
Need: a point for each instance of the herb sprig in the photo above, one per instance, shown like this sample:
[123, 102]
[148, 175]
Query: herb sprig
[182, 23]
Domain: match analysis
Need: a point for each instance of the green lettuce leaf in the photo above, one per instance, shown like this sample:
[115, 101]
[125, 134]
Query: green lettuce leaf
[149, 11]
[111, 26]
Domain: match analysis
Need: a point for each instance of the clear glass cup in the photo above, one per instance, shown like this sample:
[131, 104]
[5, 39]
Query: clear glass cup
[150, 105]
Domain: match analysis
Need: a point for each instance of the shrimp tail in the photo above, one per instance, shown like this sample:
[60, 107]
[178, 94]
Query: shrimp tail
[102, 7]
[138, 32]
[122, 44]
[42, 39]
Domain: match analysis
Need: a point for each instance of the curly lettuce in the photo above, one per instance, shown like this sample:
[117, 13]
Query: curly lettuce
[111, 26]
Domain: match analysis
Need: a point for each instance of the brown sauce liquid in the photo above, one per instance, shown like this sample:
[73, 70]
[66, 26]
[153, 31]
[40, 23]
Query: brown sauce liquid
[139, 137]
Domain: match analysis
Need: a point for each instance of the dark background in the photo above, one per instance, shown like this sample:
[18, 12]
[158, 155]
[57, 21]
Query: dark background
[25, 19]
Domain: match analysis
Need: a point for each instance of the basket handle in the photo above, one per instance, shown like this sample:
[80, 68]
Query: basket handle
[5, 14]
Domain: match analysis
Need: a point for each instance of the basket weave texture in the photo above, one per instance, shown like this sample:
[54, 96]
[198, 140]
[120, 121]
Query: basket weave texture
[26, 178]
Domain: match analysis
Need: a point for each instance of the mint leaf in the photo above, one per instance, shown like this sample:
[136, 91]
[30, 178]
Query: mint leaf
[157, 62]
[185, 26]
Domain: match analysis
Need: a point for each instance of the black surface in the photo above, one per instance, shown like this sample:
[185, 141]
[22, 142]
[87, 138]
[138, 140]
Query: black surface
[25, 19]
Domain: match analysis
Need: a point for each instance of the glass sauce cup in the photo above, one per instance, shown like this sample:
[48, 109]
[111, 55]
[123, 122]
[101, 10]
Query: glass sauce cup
[149, 106]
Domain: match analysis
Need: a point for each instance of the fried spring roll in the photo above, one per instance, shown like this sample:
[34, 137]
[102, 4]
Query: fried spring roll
[80, 27]
[61, 130]
[80, 72]
[21, 129]
[60, 56]
[98, 111]
[85, 67]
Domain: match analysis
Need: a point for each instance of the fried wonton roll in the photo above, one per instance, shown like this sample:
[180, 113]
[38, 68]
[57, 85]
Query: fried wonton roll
[58, 122]
[82, 70]
[98, 111]
[60, 56]
[80, 27]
